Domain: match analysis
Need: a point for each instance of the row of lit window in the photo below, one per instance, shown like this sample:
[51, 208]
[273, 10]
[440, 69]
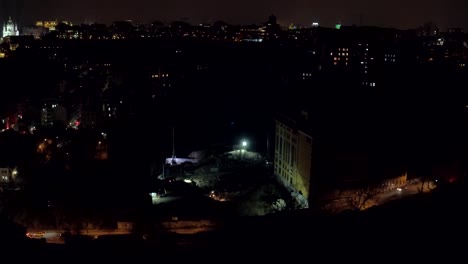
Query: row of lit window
[462, 65]
[344, 49]
[338, 58]
[70, 37]
[154, 76]
[336, 63]
[371, 84]
[340, 54]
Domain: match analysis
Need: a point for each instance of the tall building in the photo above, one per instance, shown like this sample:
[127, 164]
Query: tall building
[52, 113]
[293, 158]
[10, 29]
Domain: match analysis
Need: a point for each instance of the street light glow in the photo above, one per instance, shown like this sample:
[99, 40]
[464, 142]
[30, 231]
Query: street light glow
[244, 143]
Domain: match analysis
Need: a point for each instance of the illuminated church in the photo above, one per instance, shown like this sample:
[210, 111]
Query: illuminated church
[10, 29]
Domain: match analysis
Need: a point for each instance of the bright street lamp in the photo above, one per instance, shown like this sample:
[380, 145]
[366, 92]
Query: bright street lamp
[244, 143]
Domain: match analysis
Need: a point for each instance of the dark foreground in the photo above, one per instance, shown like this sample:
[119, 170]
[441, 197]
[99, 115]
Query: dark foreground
[424, 228]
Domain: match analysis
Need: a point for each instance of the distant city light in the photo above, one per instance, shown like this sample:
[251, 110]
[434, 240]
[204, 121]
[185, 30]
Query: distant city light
[338, 26]
[187, 181]
[315, 24]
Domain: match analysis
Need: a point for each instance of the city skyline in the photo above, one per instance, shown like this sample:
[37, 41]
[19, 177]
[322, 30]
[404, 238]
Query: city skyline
[398, 14]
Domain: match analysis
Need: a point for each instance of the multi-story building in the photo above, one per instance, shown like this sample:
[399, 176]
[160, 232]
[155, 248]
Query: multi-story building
[7, 175]
[53, 113]
[314, 157]
[293, 157]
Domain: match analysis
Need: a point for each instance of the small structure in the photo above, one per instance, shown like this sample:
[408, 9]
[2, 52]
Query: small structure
[8, 175]
[179, 161]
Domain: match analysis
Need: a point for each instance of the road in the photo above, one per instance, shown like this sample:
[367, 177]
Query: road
[340, 203]
[411, 189]
[53, 236]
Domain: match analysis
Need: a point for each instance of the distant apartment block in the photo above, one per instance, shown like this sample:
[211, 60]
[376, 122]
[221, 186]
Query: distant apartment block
[53, 113]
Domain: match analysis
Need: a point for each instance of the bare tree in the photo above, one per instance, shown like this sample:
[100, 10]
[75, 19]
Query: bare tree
[359, 199]
[424, 180]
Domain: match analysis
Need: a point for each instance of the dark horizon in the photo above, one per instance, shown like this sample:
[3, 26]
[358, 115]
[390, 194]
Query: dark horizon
[394, 14]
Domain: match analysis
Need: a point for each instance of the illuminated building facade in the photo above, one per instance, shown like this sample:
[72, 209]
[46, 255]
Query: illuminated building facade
[10, 29]
[7, 175]
[47, 24]
[293, 158]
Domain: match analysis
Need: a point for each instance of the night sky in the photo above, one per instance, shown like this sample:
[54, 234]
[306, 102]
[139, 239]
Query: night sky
[395, 13]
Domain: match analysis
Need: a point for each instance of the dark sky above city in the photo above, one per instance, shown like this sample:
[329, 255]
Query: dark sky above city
[388, 13]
